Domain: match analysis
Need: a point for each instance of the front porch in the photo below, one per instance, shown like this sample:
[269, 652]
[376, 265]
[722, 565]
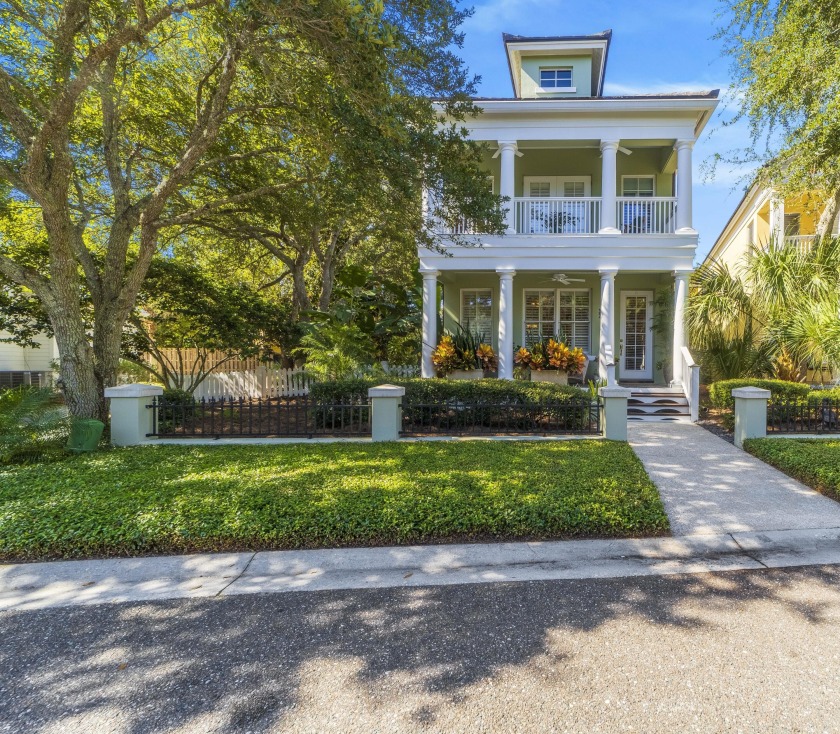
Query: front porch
[610, 314]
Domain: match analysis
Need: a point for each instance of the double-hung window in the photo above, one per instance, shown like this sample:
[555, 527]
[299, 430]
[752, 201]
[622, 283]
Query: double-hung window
[565, 314]
[637, 216]
[477, 312]
[556, 78]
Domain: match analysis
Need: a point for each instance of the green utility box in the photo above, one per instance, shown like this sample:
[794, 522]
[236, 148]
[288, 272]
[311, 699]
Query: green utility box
[84, 435]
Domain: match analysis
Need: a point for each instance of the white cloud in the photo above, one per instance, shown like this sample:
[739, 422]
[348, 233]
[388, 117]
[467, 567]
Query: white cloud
[495, 14]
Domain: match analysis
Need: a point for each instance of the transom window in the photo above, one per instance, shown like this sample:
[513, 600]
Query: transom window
[556, 78]
[477, 311]
[562, 313]
[539, 189]
[574, 188]
[637, 186]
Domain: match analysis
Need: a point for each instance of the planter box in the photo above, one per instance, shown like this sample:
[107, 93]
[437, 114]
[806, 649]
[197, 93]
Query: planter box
[556, 377]
[466, 374]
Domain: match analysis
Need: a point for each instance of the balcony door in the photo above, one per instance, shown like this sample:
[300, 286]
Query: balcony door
[552, 212]
[636, 330]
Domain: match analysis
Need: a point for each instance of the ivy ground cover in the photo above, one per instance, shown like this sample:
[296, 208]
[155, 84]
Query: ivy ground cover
[175, 499]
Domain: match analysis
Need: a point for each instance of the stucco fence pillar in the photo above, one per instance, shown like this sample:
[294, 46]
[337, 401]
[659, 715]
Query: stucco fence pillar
[614, 412]
[750, 413]
[131, 419]
[386, 412]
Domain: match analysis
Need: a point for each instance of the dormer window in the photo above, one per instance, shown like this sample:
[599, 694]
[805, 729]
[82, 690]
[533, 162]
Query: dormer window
[556, 79]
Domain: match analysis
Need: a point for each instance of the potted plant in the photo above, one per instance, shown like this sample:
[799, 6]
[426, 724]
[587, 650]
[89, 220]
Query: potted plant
[550, 361]
[463, 357]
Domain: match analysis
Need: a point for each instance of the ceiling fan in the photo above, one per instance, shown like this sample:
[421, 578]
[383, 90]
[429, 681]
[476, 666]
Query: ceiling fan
[564, 279]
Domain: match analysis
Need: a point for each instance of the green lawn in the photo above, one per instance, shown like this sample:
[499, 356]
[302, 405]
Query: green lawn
[164, 499]
[815, 462]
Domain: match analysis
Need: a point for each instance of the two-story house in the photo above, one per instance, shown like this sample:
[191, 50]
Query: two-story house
[598, 214]
[763, 216]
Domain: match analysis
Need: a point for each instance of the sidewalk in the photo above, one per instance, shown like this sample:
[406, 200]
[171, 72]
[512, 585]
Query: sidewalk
[70, 583]
[709, 486]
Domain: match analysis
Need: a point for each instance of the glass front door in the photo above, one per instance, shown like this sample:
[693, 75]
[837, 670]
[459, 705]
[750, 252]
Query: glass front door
[636, 342]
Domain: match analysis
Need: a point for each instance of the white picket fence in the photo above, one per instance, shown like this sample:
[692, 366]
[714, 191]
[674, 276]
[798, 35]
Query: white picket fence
[270, 382]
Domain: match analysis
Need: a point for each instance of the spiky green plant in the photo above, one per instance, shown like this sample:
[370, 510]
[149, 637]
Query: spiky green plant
[33, 424]
[779, 302]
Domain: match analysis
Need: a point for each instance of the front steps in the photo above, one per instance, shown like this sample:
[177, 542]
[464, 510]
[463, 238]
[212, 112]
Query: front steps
[658, 404]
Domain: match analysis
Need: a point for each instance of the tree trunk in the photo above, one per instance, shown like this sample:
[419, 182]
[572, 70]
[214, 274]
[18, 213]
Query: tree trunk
[829, 215]
[79, 383]
[300, 297]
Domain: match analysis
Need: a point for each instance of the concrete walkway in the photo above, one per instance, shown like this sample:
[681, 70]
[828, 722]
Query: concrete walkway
[72, 583]
[710, 486]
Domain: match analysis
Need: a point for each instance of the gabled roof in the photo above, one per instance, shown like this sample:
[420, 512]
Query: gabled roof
[597, 43]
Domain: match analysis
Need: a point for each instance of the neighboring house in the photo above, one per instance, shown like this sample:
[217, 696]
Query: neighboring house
[26, 365]
[598, 220]
[762, 216]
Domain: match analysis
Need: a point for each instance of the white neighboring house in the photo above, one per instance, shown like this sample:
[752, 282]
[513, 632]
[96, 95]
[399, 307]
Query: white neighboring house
[27, 365]
[599, 216]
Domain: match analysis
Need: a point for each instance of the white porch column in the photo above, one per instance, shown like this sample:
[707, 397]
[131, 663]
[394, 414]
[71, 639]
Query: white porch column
[607, 319]
[429, 321]
[777, 218]
[684, 216]
[609, 150]
[507, 151]
[680, 298]
[505, 357]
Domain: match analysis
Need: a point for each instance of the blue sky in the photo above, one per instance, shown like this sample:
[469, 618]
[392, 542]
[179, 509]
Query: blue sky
[657, 46]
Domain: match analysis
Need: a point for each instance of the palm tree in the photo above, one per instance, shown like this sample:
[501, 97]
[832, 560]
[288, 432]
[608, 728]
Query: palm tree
[777, 311]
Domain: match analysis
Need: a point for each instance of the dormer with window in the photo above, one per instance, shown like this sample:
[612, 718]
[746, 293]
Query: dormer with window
[557, 66]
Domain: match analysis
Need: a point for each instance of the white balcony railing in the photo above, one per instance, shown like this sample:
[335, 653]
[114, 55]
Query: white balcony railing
[581, 215]
[646, 215]
[803, 242]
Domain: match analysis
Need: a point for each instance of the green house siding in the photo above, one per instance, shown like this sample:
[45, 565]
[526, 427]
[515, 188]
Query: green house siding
[581, 67]
[453, 283]
[582, 162]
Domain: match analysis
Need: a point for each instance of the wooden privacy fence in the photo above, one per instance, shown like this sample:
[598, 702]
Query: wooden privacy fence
[268, 381]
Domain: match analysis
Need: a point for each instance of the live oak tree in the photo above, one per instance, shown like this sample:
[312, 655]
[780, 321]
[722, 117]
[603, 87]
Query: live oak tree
[786, 69]
[359, 177]
[112, 112]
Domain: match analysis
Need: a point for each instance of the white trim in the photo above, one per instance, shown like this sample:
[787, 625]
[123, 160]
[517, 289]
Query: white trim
[647, 373]
[483, 289]
[651, 176]
[555, 182]
[557, 291]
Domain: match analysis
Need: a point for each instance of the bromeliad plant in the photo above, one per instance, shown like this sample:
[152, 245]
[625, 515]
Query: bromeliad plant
[463, 351]
[550, 355]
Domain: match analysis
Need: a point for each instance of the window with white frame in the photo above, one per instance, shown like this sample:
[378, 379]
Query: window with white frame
[637, 186]
[573, 318]
[574, 189]
[540, 189]
[540, 317]
[565, 314]
[477, 311]
[556, 78]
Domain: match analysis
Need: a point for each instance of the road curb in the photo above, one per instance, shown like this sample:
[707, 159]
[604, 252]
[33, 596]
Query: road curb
[70, 583]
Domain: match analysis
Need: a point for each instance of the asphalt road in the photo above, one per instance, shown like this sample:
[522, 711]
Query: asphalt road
[739, 651]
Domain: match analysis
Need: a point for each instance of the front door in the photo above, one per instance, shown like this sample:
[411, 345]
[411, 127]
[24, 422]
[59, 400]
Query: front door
[636, 342]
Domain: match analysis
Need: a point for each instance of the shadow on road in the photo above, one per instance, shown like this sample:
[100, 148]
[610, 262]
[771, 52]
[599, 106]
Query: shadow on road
[239, 660]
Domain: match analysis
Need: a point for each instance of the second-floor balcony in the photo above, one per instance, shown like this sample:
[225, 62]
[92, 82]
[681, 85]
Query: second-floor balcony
[575, 216]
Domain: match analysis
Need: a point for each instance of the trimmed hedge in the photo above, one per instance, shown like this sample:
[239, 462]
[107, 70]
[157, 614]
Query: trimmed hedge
[720, 393]
[439, 390]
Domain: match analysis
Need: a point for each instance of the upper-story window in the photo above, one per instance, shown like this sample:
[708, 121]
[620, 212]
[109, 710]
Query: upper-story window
[792, 225]
[637, 186]
[556, 78]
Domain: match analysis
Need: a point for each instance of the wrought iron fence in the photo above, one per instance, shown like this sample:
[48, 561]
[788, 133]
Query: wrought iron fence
[506, 417]
[814, 416]
[299, 416]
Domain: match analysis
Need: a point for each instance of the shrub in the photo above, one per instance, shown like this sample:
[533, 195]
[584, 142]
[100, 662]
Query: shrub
[440, 391]
[720, 393]
[33, 424]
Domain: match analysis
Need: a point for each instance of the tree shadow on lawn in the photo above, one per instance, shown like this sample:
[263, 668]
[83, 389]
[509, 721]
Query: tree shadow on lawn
[239, 663]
